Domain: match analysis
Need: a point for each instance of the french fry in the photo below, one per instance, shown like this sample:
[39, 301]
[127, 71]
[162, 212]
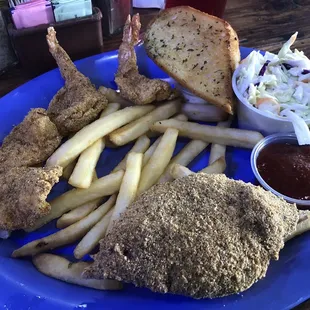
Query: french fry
[141, 126]
[80, 212]
[114, 96]
[152, 148]
[218, 150]
[129, 186]
[184, 157]
[92, 238]
[74, 198]
[141, 145]
[158, 161]
[227, 136]
[81, 177]
[77, 214]
[178, 171]
[204, 112]
[110, 144]
[216, 167]
[149, 153]
[111, 108]
[82, 174]
[65, 236]
[95, 177]
[58, 267]
[71, 149]
[180, 117]
[67, 171]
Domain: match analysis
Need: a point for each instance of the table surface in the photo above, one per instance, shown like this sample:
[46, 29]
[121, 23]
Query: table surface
[263, 24]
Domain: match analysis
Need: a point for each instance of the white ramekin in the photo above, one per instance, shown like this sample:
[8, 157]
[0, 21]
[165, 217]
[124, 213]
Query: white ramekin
[251, 118]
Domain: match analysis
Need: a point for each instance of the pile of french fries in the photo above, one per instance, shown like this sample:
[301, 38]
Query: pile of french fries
[86, 213]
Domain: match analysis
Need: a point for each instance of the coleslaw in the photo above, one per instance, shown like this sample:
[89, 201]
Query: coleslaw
[279, 84]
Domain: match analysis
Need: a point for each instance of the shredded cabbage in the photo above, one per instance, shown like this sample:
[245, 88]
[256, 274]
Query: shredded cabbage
[300, 127]
[284, 78]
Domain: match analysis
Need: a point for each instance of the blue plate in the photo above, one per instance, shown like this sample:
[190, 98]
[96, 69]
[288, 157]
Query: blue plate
[22, 287]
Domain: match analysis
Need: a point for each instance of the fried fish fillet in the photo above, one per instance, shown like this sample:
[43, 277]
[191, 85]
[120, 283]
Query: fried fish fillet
[23, 193]
[78, 103]
[198, 50]
[31, 142]
[200, 236]
[134, 86]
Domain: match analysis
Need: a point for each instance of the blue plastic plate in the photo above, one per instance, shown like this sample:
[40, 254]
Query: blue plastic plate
[22, 287]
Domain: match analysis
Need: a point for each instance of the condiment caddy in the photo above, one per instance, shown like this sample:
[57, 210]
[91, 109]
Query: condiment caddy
[81, 37]
[31, 13]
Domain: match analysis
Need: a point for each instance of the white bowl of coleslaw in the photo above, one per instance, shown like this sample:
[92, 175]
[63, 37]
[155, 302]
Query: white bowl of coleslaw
[273, 91]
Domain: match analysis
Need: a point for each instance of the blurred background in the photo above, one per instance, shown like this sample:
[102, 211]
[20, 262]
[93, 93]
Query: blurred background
[82, 27]
[88, 27]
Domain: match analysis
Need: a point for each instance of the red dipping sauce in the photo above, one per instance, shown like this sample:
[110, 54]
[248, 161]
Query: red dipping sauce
[213, 7]
[286, 168]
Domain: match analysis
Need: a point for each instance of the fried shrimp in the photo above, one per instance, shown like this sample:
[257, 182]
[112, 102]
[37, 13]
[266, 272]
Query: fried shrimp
[134, 86]
[78, 103]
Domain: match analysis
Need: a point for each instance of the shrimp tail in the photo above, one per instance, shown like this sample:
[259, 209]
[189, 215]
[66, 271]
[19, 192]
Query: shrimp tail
[127, 57]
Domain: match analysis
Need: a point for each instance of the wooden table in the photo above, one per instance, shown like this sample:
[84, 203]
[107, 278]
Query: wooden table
[263, 24]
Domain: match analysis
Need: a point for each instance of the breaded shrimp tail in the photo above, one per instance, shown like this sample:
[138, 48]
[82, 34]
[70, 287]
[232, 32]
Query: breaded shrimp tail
[78, 103]
[67, 68]
[134, 86]
[127, 58]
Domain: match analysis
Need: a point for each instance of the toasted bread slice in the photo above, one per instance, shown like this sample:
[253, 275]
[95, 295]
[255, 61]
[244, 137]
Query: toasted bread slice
[198, 50]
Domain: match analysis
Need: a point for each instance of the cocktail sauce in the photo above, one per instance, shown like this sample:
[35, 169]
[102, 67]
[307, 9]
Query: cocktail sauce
[286, 168]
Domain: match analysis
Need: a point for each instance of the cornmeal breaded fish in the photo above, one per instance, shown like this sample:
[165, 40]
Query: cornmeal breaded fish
[198, 50]
[200, 236]
[78, 103]
[23, 193]
[31, 142]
